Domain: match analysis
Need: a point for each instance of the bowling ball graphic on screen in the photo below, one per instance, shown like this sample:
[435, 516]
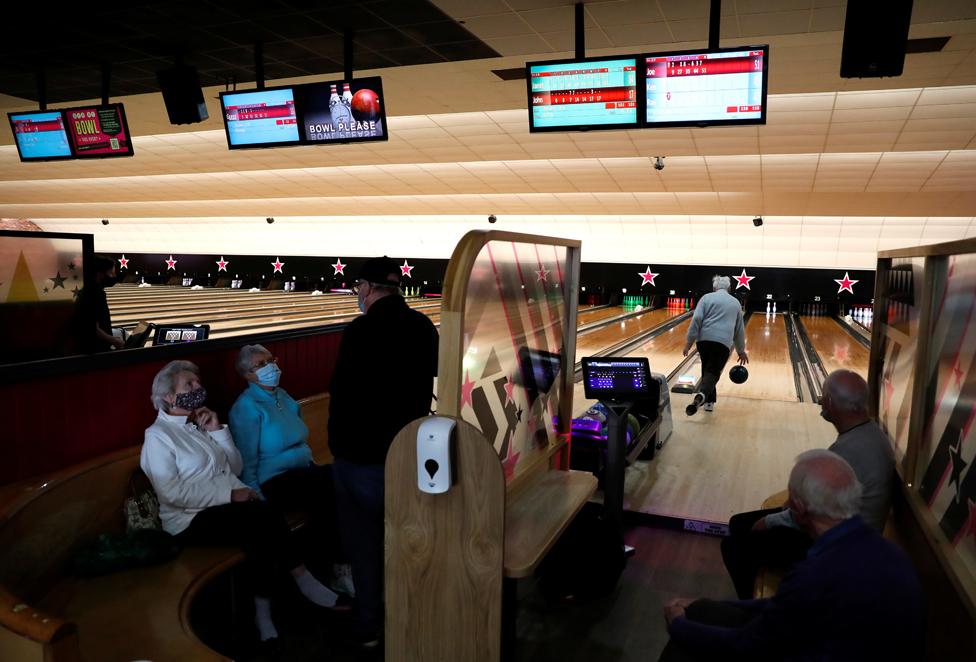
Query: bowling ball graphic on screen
[738, 374]
[365, 105]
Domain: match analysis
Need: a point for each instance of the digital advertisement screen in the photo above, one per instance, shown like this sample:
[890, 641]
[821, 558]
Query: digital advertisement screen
[40, 135]
[583, 94]
[342, 111]
[99, 131]
[260, 117]
[699, 88]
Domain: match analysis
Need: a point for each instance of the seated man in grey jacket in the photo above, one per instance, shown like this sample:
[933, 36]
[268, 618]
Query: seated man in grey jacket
[771, 537]
[716, 326]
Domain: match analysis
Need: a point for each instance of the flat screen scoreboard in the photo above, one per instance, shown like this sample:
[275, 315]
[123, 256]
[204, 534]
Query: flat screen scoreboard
[261, 117]
[706, 87]
[84, 132]
[40, 136]
[590, 94]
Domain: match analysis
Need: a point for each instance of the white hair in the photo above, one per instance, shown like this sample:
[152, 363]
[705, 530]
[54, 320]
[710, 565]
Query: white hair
[721, 283]
[826, 484]
[246, 354]
[164, 383]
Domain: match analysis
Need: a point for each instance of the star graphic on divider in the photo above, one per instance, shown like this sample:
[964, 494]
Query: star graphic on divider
[742, 280]
[518, 414]
[222, 264]
[339, 267]
[405, 270]
[170, 263]
[846, 283]
[958, 465]
[509, 390]
[542, 274]
[647, 277]
[45, 290]
[958, 373]
[466, 389]
[58, 281]
[511, 459]
[123, 262]
[75, 292]
[278, 264]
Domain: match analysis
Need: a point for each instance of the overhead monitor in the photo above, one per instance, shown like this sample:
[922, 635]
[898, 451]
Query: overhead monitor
[40, 135]
[260, 118]
[616, 378]
[706, 87]
[342, 111]
[591, 93]
[99, 131]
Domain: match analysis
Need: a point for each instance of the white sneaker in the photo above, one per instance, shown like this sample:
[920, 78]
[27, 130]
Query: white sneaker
[709, 406]
[342, 583]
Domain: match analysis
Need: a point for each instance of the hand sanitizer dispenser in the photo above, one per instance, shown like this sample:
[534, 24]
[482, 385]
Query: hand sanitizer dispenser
[435, 455]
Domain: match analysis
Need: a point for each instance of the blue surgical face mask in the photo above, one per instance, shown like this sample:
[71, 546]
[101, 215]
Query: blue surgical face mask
[361, 300]
[268, 375]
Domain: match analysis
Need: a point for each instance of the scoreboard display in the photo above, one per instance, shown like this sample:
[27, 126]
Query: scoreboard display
[40, 135]
[726, 86]
[583, 94]
[260, 117]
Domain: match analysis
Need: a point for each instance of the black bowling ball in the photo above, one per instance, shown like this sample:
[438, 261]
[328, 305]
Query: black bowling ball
[738, 374]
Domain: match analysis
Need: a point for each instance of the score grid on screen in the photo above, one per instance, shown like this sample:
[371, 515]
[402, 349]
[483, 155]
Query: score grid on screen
[584, 93]
[262, 116]
[705, 87]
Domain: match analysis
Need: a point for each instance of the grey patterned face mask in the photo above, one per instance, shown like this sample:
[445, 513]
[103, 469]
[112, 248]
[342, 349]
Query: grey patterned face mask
[192, 400]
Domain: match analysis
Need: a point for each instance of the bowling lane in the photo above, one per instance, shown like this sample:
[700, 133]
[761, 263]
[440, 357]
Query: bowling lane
[598, 339]
[836, 347]
[590, 316]
[770, 368]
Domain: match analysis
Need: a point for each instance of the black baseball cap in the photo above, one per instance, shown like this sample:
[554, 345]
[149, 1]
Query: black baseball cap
[381, 271]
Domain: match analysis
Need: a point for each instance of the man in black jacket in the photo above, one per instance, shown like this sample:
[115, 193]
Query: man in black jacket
[383, 380]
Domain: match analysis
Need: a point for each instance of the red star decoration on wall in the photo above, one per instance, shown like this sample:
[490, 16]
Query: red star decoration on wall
[222, 264]
[123, 263]
[509, 390]
[648, 277]
[339, 267]
[511, 459]
[466, 389]
[278, 265]
[171, 263]
[846, 284]
[543, 274]
[742, 280]
[405, 270]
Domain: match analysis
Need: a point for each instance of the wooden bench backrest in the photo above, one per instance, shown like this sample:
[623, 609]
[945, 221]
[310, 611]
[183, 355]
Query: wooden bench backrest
[315, 413]
[42, 528]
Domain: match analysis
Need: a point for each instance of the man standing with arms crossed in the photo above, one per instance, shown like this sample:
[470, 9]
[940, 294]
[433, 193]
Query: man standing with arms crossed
[716, 326]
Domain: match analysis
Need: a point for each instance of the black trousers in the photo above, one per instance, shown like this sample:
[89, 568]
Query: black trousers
[309, 490]
[254, 526]
[714, 356]
[744, 551]
[709, 612]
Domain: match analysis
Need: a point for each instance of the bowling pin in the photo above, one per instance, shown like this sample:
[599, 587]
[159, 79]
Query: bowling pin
[768, 307]
[774, 308]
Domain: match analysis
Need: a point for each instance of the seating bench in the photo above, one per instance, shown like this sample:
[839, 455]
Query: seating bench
[143, 613]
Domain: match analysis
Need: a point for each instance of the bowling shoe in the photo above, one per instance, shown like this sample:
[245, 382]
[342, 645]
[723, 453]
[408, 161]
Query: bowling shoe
[709, 406]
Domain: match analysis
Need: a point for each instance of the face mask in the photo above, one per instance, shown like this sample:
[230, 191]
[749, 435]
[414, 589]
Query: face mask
[192, 400]
[268, 375]
[361, 300]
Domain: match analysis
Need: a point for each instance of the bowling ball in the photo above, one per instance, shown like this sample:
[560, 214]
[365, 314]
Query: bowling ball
[738, 374]
[365, 105]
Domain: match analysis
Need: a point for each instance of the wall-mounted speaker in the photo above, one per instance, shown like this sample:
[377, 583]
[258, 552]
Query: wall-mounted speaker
[182, 94]
[875, 37]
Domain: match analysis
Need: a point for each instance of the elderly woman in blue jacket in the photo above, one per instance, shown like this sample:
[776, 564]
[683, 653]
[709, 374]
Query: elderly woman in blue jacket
[277, 462]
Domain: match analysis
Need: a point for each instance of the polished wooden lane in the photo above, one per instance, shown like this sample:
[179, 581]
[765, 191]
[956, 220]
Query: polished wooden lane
[595, 315]
[593, 341]
[836, 347]
[770, 369]
[720, 463]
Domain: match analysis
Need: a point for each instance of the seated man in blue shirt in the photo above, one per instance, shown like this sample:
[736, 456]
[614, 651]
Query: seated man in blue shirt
[855, 596]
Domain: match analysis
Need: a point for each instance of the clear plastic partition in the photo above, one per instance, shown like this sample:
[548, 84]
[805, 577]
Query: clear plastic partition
[41, 276]
[902, 294]
[948, 446]
[514, 349]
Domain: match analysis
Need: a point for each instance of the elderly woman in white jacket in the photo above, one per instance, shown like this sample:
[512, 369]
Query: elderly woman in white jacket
[193, 465]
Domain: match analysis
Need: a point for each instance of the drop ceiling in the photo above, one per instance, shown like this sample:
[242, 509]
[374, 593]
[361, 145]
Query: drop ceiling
[842, 169]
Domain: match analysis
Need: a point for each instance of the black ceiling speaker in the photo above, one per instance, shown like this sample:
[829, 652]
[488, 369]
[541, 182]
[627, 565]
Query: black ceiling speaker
[182, 94]
[875, 37]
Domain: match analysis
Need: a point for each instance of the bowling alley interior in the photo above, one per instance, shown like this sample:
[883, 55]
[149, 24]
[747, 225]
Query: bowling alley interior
[681, 260]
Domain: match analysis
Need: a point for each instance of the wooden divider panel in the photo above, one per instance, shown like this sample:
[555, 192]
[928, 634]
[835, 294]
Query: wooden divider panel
[444, 554]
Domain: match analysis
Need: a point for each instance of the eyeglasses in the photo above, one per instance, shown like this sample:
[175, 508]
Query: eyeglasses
[355, 287]
[260, 364]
